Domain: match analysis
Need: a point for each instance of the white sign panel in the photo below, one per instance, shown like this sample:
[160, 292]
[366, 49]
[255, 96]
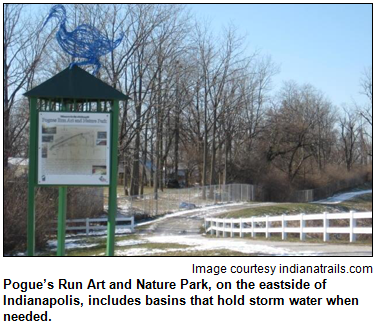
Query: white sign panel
[73, 148]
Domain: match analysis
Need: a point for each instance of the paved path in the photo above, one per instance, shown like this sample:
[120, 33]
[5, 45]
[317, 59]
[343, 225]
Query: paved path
[338, 198]
[191, 221]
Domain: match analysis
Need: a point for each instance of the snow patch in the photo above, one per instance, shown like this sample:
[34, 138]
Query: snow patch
[71, 244]
[142, 252]
[118, 230]
[203, 244]
[130, 242]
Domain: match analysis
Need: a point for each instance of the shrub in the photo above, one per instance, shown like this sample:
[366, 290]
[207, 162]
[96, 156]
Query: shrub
[15, 212]
[82, 203]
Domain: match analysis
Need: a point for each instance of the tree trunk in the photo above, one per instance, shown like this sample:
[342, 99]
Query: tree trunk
[212, 168]
[158, 135]
[125, 163]
[177, 118]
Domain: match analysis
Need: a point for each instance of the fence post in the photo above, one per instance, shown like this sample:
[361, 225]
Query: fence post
[232, 227]
[325, 227]
[216, 228]
[168, 201]
[156, 204]
[283, 227]
[211, 227]
[241, 227]
[267, 227]
[253, 227]
[223, 228]
[302, 225]
[352, 226]
[144, 201]
[87, 226]
[131, 204]
[213, 192]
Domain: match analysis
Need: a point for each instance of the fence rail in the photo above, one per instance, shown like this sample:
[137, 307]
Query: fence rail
[266, 225]
[94, 224]
[171, 200]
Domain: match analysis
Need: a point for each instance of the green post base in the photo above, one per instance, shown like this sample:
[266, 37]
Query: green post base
[31, 220]
[62, 214]
[111, 223]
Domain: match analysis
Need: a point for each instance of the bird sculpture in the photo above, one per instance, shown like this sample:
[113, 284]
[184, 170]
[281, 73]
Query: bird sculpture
[85, 42]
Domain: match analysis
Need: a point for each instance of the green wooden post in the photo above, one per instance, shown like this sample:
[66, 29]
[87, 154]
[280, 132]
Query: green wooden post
[33, 144]
[62, 210]
[112, 201]
[62, 213]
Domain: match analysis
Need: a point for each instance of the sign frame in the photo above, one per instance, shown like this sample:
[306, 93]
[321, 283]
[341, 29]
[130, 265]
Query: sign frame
[74, 180]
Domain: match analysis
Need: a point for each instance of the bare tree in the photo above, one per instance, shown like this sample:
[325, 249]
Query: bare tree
[366, 111]
[350, 132]
[22, 54]
[293, 128]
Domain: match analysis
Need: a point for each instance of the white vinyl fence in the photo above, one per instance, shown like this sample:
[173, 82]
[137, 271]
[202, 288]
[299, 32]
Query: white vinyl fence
[267, 225]
[88, 225]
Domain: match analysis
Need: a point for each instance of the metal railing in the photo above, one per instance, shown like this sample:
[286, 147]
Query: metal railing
[172, 200]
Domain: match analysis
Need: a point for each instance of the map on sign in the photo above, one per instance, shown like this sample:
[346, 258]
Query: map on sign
[73, 148]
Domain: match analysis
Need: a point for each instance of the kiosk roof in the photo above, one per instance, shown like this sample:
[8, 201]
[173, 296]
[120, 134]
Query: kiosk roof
[76, 84]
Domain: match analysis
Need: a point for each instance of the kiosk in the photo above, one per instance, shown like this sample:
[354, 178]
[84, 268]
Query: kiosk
[73, 142]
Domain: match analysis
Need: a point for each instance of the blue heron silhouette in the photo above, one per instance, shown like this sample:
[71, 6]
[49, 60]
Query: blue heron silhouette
[84, 42]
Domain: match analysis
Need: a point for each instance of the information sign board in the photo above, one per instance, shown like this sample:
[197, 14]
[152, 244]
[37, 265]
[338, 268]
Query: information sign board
[73, 148]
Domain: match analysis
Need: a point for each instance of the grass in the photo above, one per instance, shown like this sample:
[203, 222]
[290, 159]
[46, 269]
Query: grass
[309, 239]
[278, 209]
[155, 246]
[359, 203]
[169, 249]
